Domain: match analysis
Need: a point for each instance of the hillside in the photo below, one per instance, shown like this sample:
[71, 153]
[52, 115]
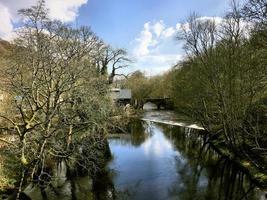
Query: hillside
[4, 46]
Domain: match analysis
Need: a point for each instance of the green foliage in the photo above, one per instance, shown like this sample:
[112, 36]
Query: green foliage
[59, 100]
[139, 86]
[220, 83]
[9, 172]
[143, 87]
[223, 81]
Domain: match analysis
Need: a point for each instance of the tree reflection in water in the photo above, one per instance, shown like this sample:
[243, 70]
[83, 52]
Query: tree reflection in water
[200, 172]
[139, 132]
[206, 175]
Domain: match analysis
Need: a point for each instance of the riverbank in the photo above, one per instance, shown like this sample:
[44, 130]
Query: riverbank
[256, 174]
[59, 175]
[169, 162]
[138, 135]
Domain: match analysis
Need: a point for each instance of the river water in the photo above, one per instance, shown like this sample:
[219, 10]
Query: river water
[163, 158]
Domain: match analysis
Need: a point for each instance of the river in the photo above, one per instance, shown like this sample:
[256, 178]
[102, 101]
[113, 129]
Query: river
[164, 158]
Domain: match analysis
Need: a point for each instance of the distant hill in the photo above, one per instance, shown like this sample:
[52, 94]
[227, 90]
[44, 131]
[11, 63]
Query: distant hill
[4, 46]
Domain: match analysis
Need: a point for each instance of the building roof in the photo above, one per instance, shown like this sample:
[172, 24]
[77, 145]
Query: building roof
[125, 94]
[119, 94]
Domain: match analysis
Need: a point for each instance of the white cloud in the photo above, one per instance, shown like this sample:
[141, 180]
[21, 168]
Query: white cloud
[158, 28]
[169, 32]
[217, 20]
[156, 50]
[220, 24]
[159, 63]
[6, 25]
[145, 41]
[63, 10]
[185, 26]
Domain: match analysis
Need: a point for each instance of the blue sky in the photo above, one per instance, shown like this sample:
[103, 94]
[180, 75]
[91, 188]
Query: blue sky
[122, 24]
[120, 21]
[145, 28]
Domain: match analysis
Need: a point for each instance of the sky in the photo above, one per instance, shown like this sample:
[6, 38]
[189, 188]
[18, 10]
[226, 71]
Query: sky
[145, 28]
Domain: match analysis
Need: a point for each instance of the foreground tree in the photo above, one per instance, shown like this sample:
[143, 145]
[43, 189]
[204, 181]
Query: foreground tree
[58, 98]
[222, 78]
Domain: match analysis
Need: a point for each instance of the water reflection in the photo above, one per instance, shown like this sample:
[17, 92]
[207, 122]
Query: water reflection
[169, 162]
[206, 175]
[138, 133]
[155, 162]
[73, 189]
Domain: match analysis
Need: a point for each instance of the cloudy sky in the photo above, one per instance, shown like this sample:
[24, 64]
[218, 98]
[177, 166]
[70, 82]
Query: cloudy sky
[146, 28]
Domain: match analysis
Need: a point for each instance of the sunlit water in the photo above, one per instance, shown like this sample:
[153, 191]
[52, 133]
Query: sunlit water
[161, 158]
[159, 161]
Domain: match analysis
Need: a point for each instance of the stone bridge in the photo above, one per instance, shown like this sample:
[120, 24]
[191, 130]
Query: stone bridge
[164, 103]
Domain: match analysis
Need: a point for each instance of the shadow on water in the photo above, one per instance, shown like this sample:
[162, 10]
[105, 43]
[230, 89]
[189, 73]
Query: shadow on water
[72, 189]
[138, 133]
[206, 175]
[158, 161]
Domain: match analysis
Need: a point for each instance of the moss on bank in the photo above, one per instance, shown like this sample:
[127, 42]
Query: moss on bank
[9, 173]
[258, 177]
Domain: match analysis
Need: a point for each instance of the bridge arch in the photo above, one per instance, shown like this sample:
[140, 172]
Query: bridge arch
[159, 102]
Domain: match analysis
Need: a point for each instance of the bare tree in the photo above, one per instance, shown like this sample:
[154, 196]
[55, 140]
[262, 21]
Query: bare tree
[116, 59]
[119, 61]
[227, 77]
[200, 35]
[51, 77]
[255, 10]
